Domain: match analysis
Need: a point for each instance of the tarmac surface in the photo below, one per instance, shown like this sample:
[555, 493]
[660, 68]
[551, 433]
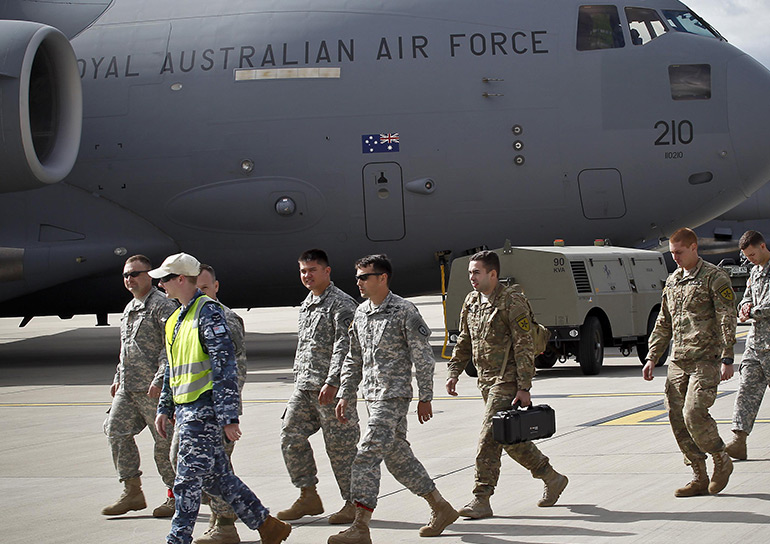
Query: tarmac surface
[613, 441]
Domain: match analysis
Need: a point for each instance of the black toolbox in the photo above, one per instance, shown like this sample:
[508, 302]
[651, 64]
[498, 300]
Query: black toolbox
[520, 425]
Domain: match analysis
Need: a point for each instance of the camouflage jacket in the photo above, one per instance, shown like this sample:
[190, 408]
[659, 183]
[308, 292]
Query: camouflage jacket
[758, 294]
[142, 351]
[323, 338]
[215, 338]
[238, 336]
[697, 316]
[494, 334]
[385, 342]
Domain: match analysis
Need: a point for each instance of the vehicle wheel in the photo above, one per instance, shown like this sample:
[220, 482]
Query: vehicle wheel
[471, 371]
[591, 348]
[642, 348]
[546, 359]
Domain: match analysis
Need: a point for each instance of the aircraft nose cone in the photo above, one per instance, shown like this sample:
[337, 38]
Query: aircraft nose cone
[749, 119]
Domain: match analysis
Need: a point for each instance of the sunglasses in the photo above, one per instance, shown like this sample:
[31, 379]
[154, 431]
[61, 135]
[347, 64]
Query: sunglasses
[166, 279]
[133, 274]
[364, 277]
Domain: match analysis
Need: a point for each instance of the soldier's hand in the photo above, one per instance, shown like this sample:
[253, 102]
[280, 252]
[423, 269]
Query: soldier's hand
[647, 371]
[744, 314]
[424, 411]
[727, 370]
[339, 411]
[114, 389]
[524, 398]
[232, 431]
[154, 392]
[161, 420]
[451, 386]
[327, 394]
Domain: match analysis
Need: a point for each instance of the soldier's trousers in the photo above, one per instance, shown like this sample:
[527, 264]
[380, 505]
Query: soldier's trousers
[203, 464]
[755, 378]
[691, 389]
[385, 439]
[304, 416]
[499, 396]
[130, 413]
[218, 506]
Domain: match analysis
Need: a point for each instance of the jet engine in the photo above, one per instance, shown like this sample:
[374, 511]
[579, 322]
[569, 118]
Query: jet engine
[41, 106]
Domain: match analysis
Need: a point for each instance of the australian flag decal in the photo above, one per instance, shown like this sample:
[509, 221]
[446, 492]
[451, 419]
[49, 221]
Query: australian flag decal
[380, 143]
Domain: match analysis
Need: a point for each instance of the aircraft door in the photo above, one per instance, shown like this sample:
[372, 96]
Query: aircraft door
[384, 201]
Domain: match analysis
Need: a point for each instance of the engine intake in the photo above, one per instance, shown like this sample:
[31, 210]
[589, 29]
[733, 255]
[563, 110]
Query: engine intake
[41, 106]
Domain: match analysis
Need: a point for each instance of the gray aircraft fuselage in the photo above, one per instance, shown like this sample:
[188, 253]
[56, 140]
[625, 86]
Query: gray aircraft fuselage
[246, 132]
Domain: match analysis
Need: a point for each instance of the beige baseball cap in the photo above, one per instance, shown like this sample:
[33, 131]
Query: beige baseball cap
[180, 264]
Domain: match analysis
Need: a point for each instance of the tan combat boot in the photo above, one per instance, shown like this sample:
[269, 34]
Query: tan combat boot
[478, 508]
[165, 510]
[212, 523]
[221, 531]
[346, 515]
[308, 504]
[273, 531]
[132, 498]
[699, 484]
[737, 446]
[358, 533]
[554, 484]
[442, 514]
[723, 467]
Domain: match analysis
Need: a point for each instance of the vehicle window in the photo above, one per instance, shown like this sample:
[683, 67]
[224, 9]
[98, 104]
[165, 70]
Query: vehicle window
[599, 28]
[690, 81]
[644, 25]
[687, 21]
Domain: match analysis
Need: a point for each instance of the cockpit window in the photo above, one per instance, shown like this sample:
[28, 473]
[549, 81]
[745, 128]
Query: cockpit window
[599, 28]
[687, 21]
[644, 25]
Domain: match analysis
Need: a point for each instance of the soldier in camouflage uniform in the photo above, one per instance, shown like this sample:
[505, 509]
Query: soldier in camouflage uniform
[200, 391]
[222, 521]
[323, 342]
[755, 365]
[495, 326]
[388, 336]
[697, 318]
[136, 388]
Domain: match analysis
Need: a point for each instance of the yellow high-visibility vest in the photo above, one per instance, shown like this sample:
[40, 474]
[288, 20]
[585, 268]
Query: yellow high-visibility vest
[189, 365]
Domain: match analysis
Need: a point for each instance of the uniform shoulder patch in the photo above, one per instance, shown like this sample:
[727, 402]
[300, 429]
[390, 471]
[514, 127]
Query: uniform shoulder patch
[727, 293]
[523, 322]
[219, 330]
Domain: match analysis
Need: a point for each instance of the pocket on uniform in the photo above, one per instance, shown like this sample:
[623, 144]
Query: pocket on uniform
[378, 329]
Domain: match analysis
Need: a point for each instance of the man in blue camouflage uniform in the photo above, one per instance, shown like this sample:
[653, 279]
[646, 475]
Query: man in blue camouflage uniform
[136, 388]
[387, 338]
[697, 318]
[200, 392]
[323, 341]
[495, 324]
[221, 528]
[755, 365]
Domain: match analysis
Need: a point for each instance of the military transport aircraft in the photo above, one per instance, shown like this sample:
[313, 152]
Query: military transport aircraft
[244, 132]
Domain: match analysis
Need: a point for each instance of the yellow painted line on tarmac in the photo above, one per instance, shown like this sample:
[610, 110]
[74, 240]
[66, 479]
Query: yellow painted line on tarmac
[283, 401]
[599, 395]
[638, 418]
[36, 404]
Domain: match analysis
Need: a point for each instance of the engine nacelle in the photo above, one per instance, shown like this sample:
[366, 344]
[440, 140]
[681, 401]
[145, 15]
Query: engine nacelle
[41, 106]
